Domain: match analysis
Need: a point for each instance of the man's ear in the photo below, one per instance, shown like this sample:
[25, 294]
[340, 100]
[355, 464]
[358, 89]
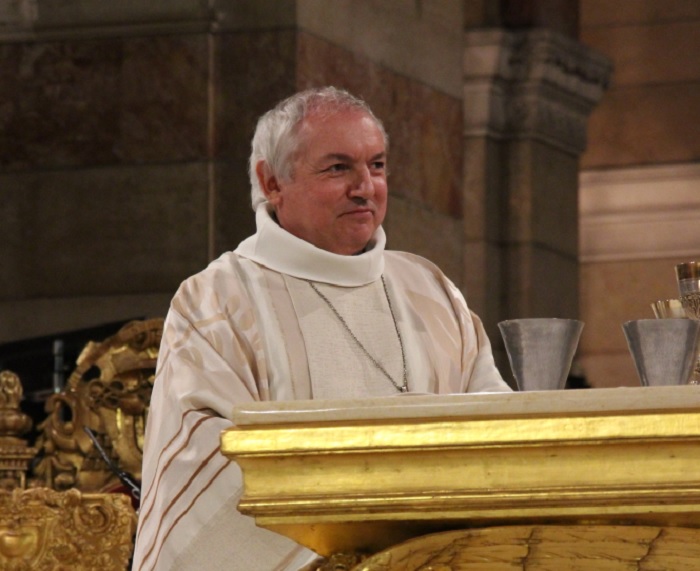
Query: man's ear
[268, 183]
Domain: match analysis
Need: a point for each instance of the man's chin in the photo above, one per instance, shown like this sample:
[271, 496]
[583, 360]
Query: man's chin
[358, 245]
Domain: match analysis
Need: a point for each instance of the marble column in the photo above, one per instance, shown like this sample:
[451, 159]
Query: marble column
[527, 96]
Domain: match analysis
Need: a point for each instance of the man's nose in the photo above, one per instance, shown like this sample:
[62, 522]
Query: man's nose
[363, 185]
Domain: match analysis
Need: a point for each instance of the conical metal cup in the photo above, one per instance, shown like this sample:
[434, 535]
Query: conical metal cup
[540, 350]
[663, 350]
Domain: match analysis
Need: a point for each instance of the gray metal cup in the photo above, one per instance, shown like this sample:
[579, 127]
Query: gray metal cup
[663, 350]
[540, 350]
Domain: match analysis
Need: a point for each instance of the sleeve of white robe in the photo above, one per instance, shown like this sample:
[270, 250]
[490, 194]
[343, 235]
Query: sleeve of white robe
[456, 336]
[188, 518]
[479, 370]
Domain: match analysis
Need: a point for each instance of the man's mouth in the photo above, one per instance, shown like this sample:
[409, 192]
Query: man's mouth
[358, 211]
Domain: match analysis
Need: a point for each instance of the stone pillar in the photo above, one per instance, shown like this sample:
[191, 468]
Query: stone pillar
[527, 96]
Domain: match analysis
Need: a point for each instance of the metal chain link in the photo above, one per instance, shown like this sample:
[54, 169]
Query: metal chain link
[401, 388]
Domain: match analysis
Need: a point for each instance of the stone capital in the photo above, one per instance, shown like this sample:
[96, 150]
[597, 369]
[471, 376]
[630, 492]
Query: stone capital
[536, 84]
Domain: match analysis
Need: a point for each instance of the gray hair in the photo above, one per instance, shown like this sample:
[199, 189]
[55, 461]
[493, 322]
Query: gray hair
[276, 134]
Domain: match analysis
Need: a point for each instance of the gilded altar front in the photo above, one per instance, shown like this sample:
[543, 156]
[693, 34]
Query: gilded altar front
[599, 475]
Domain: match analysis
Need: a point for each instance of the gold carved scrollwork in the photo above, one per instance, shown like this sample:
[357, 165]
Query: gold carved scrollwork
[337, 562]
[108, 393]
[544, 548]
[59, 527]
[41, 529]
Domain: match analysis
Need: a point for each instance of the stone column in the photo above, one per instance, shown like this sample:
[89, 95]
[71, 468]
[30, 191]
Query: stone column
[527, 96]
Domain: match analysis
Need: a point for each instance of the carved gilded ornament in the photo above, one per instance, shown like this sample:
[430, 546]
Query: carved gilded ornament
[108, 393]
[337, 562]
[63, 528]
[42, 529]
[15, 453]
[544, 548]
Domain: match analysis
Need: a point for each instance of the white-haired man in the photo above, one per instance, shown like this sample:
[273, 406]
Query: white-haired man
[310, 307]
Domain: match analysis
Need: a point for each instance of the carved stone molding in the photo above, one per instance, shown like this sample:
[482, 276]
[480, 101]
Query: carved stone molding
[641, 213]
[534, 84]
[22, 20]
[18, 15]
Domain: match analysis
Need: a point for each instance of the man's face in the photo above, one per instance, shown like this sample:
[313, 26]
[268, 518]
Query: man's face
[337, 194]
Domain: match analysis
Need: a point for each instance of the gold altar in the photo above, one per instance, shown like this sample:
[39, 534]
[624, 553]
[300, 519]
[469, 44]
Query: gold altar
[604, 476]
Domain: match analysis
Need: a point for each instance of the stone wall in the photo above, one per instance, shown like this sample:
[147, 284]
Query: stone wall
[125, 129]
[103, 141]
[640, 191]
[124, 138]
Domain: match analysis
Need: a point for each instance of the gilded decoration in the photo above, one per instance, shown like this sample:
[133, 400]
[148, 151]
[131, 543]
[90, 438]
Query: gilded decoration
[107, 393]
[42, 529]
[592, 479]
[336, 562]
[545, 548]
[15, 452]
[58, 519]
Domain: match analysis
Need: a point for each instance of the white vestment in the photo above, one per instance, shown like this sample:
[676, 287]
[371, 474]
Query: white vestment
[250, 327]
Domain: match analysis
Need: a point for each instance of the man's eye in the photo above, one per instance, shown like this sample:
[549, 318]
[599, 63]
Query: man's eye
[378, 165]
[338, 167]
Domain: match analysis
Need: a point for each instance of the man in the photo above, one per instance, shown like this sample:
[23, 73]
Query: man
[310, 307]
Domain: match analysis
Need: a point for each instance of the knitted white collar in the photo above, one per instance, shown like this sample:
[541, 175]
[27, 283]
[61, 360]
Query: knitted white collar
[277, 249]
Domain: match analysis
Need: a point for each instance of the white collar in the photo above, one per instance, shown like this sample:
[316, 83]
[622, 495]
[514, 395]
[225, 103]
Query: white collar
[277, 249]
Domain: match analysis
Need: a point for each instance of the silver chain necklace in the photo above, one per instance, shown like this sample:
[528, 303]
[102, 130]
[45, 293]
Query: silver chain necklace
[403, 388]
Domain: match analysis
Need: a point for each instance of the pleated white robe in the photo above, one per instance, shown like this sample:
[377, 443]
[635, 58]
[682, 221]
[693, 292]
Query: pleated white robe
[250, 328]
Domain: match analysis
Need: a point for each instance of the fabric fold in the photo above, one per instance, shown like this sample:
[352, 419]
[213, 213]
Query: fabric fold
[277, 249]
